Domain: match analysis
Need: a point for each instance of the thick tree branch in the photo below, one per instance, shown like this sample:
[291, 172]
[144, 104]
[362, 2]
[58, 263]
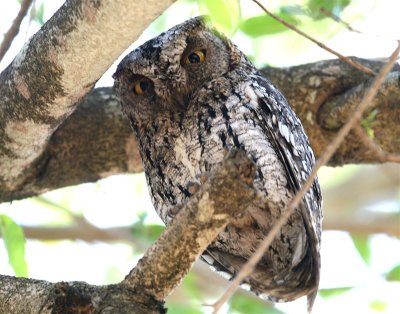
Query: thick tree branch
[22, 295]
[319, 91]
[223, 197]
[54, 70]
[96, 140]
[346, 213]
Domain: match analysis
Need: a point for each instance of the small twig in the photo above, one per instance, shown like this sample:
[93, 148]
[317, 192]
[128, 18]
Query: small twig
[336, 18]
[14, 29]
[323, 46]
[325, 156]
[30, 19]
[388, 226]
[375, 148]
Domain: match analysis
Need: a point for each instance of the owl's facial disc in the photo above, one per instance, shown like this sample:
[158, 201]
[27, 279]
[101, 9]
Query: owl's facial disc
[165, 73]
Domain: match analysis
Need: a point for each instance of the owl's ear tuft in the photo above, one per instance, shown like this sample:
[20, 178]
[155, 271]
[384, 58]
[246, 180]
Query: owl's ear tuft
[117, 74]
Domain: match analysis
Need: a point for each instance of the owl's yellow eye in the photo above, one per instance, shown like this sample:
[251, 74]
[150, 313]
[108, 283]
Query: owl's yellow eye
[140, 87]
[196, 56]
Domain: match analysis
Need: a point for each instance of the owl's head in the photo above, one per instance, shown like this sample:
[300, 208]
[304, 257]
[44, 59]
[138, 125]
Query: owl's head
[164, 73]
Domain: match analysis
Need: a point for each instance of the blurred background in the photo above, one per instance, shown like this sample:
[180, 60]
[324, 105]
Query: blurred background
[96, 232]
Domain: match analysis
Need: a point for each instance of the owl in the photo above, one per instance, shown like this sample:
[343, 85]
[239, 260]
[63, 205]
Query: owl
[191, 95]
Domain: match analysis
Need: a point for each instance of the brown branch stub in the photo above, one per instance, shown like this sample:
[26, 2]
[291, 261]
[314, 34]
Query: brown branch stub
[14, 29]
[335, 112]
[322, 89]
[224, 196]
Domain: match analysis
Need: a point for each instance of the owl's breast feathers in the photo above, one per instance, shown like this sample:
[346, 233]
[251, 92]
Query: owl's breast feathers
[247, 112]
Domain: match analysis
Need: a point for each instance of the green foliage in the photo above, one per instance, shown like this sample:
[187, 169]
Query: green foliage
[333, 6]
[37, 14]
[191, 287]
[368, 121]
[378, 305]
[362, 244]
[330, 177]
[14, 242]
[147, 233]
[191, 290]
[224, 14]
[329, 293]
[394, 274]
[240, 303]
[266, 25]
[176, 308]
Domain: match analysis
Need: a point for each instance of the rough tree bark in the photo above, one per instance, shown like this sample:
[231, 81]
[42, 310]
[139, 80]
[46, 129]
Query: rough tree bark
[54, 70]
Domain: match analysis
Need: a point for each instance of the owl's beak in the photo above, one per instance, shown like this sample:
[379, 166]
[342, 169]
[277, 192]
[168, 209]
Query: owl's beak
[180, 100]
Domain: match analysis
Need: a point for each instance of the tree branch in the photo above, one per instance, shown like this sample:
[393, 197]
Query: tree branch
[223, 197]
[14, 29]
[22, 295]
[319, 91]
[96, 141]
[54, 70]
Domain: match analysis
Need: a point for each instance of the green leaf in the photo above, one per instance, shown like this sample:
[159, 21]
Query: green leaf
[363, 247]
[329, 293]
[266, 25]
[177, 308]
[378, 305]
[224, 14]
[394, 274]
[14, 242]
[147, 233]
[367, 123]
[38, 14]
[333, 6]
[191, 287]
[241, 303]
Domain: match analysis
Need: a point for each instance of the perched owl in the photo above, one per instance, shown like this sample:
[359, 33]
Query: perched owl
[191, 95]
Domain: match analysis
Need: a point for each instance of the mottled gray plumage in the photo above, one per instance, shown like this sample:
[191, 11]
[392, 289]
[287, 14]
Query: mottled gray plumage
[191, 95]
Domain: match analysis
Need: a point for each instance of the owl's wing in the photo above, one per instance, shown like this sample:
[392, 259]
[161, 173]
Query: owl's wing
[285, 133]
[293, 148]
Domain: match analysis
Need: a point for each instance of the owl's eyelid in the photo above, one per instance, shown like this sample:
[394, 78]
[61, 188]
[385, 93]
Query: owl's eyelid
[138, 77]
